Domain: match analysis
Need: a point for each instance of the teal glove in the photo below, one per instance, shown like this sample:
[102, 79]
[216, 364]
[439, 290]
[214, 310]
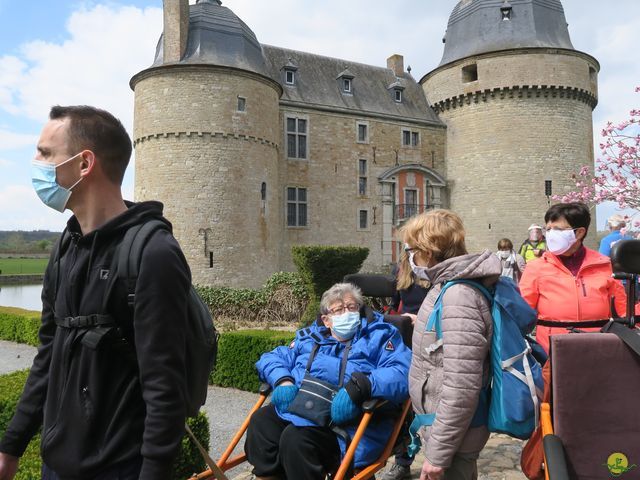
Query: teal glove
[283, 395]
[343, 409]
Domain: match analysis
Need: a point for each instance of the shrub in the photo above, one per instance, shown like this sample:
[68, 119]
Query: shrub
[280, 302]
[19, 325]
[239, 351]
[322, 266]
[188, 461]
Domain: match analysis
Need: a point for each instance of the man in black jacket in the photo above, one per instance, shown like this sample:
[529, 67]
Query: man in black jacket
[109, 397]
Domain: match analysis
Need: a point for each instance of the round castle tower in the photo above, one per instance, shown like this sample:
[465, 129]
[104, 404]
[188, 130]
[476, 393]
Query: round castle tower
[206, 129]
[517, 100]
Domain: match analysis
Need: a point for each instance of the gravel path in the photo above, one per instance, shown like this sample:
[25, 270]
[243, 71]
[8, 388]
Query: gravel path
[227, 408]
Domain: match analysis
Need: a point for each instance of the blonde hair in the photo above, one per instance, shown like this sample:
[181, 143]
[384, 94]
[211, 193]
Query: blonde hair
[439, 232]
[406, 277]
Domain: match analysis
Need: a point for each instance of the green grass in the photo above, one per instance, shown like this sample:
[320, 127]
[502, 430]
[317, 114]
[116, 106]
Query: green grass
[23, 266]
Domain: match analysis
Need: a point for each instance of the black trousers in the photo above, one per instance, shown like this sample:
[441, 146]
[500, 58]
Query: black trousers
[275, 447]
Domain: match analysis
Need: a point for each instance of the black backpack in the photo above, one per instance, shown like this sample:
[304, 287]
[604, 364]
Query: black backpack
[201, 334]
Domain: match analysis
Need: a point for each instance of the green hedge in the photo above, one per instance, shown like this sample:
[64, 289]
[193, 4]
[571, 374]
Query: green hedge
[322, 266]
[189, 460]
[281, 301]
[19, 325]
[239, 351]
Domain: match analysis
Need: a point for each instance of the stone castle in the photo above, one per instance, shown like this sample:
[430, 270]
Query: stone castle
[255, 148]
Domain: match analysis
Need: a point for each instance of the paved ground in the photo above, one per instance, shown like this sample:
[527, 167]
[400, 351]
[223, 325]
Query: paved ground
[226, 408]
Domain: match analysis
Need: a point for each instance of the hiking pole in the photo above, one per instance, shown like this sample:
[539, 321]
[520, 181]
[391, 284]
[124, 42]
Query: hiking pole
[217, 473]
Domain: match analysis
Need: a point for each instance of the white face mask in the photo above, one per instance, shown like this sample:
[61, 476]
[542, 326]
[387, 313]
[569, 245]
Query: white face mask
[420, 272]
[504, 254]
[559, 241]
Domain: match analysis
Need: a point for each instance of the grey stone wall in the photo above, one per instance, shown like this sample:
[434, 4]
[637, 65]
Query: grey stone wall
[527, 119]
[206, 162]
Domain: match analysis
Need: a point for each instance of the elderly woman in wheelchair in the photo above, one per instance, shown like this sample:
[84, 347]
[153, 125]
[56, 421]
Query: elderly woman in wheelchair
[320, 382]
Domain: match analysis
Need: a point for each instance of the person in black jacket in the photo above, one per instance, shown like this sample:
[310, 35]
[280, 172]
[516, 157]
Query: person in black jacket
[109, 397]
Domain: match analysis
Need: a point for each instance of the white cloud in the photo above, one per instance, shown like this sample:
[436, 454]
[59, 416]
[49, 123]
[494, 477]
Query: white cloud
[12, 141]
[107, 45]
[5, 163]
[22, 210]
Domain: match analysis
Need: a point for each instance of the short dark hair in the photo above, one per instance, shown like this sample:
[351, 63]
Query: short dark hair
[504, 244]
[97, 130]
[576, 214]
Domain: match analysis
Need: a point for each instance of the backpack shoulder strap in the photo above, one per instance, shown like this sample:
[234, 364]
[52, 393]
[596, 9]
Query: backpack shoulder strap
[129, 254]
[58, 251]
[434, 318]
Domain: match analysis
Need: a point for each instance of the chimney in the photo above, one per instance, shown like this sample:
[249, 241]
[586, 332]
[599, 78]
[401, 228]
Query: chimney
[176, 29]
[396, 63]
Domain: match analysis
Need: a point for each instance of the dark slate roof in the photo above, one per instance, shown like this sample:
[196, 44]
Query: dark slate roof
[318, 85]
[217, 36]
[476, 26]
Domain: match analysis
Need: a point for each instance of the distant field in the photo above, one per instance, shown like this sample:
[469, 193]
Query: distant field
[26, 266]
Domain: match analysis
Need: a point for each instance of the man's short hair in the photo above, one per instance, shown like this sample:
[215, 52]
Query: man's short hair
[97, 130]
[576, 214]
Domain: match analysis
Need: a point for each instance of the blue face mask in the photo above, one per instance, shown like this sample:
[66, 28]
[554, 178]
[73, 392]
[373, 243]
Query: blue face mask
[43, 178]
[345, 325]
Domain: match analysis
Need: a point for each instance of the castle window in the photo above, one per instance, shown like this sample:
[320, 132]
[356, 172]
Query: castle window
[363, 132]
[296, 207]
[242, 103]
[363, 219]
[470, 73]
[362, 177]
[410, 139]
[398, 95]
[296, 137]
[345, 81]
[290, 77]
[263, 191]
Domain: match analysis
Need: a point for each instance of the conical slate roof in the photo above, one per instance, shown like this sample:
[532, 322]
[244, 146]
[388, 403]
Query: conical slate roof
[482, 26]
[217, 36]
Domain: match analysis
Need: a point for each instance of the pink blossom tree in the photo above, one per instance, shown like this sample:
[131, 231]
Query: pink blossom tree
[616, 176]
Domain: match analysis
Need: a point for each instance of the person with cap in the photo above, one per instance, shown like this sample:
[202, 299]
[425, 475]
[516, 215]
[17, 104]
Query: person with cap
[534, 246]
[617, 225]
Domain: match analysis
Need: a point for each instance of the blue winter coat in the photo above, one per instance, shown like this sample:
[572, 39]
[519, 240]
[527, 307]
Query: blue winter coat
[377, 350]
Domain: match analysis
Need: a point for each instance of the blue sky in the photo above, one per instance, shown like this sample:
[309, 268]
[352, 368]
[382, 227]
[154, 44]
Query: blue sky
[72, 52]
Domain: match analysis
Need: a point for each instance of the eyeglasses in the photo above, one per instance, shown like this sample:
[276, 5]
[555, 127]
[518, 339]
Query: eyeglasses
[408, 249]
[351, 307]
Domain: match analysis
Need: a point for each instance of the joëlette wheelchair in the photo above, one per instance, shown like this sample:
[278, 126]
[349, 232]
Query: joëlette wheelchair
[379, 289]
[591, 427]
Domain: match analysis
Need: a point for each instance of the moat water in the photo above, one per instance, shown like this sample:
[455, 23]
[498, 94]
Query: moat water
[22, 296]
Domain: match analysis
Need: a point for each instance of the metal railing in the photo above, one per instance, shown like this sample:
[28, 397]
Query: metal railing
[406, 210]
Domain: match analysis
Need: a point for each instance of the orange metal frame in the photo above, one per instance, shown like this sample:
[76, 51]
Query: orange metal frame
[225, 463]
[547, 428]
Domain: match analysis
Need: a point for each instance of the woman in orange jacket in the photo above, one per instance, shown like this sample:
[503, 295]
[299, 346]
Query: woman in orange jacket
[570, 285]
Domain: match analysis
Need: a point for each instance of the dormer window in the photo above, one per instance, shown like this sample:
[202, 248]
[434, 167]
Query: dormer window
[290, 77]
[345, 81]
[289, 73]
[396, 89]
[505, 10]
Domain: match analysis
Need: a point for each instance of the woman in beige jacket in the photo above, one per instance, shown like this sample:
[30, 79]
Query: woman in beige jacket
[447, 376]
